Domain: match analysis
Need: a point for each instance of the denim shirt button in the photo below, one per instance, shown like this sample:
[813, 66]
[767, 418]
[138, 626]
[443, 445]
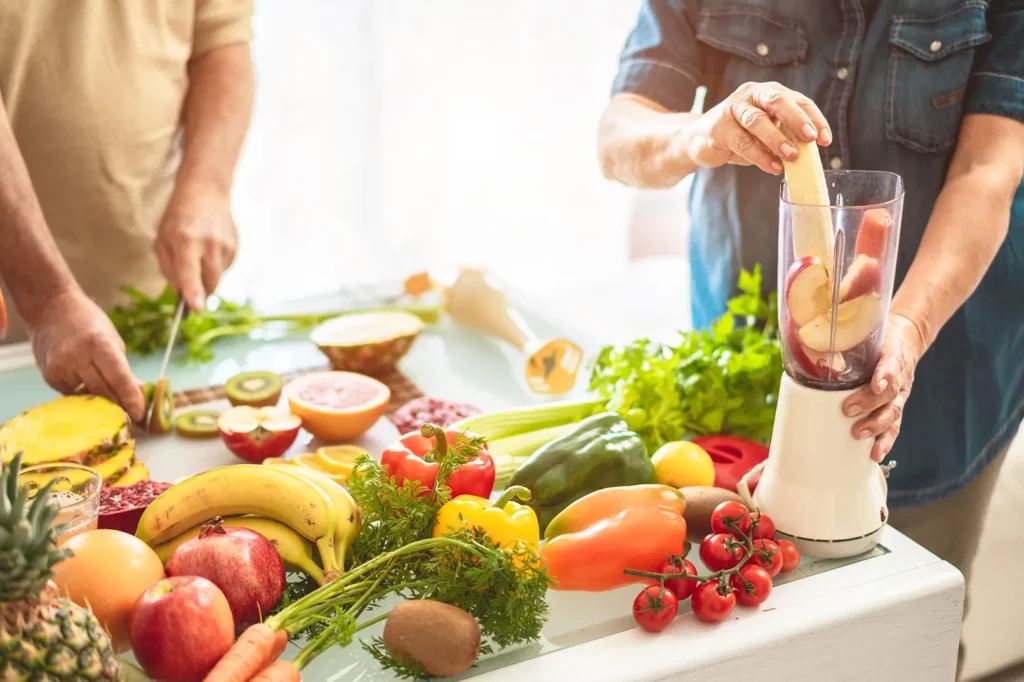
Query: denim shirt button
[935, 46]
[836, 163]
[762, 49]
[842, 73]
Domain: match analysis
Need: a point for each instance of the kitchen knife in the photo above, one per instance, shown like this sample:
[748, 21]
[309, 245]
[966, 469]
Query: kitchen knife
[167, 354]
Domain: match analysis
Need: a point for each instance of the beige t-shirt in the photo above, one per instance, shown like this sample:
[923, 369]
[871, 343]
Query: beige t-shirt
[94, 90]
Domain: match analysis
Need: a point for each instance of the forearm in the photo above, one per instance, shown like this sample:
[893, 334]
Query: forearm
[218, 109]
[30, 262]
[968, 225]
[642, 145]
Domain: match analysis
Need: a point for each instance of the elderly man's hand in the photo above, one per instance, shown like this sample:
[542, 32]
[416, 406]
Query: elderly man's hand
[196, 242]
[881, 401]
[78, 349]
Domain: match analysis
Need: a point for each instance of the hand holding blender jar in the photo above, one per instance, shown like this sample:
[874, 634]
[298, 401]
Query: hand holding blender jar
[838, 238]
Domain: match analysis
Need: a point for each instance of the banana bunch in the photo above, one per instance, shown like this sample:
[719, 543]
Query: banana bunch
[295, 508]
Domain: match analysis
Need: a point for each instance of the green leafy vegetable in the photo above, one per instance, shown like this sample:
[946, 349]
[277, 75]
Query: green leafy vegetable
[721, 380]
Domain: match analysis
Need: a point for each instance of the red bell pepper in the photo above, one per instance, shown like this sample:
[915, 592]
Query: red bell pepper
[416, 457]
[733, 457]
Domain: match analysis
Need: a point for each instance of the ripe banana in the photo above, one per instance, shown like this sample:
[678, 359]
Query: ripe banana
[295, 550]
[812, 222]
[349, 520]
[245, 489]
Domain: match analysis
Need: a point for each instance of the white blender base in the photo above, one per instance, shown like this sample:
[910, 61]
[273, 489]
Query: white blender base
[819, 484]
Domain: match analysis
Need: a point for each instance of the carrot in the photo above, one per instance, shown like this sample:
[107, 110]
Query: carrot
[279, 671]
[247, 656]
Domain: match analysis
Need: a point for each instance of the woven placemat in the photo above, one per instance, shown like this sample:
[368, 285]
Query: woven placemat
[402, 390]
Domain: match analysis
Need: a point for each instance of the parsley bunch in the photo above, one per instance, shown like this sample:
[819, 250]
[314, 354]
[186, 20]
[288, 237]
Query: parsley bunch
[721, 380]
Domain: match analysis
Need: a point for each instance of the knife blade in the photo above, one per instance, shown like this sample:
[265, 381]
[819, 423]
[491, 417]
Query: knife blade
[167, 353]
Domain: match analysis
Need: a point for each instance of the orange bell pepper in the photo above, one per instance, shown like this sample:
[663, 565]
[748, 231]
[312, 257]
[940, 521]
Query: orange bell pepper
[599, 504]
[593, 559]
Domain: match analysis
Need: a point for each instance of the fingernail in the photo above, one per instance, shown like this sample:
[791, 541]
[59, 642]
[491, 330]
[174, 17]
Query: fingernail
[809, 132]
[776, 166]
[788, 150]
[827, 134]
[864, 434]
[853, 410]
[881, 386]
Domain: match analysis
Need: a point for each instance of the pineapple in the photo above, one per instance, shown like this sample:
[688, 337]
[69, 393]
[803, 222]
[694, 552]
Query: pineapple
[80, 428]
[42, 637]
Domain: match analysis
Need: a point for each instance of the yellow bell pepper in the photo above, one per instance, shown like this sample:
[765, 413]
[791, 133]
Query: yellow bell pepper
[506, 521]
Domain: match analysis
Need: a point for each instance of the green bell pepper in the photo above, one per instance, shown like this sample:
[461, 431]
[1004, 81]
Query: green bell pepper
[600, 452]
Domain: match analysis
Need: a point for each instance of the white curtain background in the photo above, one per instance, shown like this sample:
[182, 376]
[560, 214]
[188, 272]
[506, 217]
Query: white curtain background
[393, 134]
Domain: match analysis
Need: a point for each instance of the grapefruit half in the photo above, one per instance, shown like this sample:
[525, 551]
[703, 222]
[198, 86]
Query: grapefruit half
[337, 406]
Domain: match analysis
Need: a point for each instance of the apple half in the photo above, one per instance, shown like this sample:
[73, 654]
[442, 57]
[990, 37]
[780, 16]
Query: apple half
[256, 433]
[810, 362]
[856, 320]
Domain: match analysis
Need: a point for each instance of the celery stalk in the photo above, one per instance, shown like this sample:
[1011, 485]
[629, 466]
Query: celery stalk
[522, 420]
[510, 452]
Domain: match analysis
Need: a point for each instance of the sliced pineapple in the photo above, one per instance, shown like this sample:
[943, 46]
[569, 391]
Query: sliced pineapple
[118, 465]
[80, 429]
[137, 473]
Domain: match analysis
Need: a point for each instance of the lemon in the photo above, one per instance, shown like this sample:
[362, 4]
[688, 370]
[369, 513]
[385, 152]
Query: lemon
[339, 458]
[682, 464]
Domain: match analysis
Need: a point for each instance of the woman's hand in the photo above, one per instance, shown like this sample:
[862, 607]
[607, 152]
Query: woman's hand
[883, 399]
[742, 128]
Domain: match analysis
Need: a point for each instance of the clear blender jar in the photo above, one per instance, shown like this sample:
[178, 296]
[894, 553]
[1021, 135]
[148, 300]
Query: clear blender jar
[837, 265]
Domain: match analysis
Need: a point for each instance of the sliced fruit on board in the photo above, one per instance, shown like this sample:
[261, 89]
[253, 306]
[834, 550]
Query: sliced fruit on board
[137, 473]
[197, 424]
[256, 433]
[856, 319]
[337, 406]
[812, 217]
[80, 428]
[118, 465]
[257, 389]
[163, 407]
[339, 459]
[368, 343]
[873, 234]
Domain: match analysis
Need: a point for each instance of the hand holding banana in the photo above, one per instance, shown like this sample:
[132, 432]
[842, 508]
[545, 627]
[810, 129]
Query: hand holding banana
[743, 130]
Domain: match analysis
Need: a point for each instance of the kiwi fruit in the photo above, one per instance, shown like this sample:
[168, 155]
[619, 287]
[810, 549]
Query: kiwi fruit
[255, 389]
[163, 407]
[700, 503]
[147, 393]
[197, 424]
[437, 638]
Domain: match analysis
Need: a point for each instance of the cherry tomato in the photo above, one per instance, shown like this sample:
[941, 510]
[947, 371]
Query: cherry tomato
[764, 528]
[756, 577]
[735, 512]
[710, 605]
[721, 551]
[790, 555]
[762, 550]
[682, 589]
[654, 608]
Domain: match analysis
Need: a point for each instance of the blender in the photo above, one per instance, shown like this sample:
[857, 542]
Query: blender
[838, 238]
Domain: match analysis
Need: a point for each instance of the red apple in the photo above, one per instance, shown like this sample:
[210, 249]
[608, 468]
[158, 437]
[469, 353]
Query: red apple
[255, 433]
[242, 563]
[863, 277]
[856, 319]
[812, 363]
[180, 627]
[873, 233]
[808, 293]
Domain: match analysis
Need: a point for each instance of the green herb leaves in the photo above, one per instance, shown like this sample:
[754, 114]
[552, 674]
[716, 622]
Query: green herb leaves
[721, 380]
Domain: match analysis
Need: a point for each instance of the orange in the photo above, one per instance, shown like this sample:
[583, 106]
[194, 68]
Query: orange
[108, 573]
[337, 406]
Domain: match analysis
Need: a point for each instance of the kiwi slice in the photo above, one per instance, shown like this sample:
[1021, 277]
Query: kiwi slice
[163, 407]
[147, 394]
[256, 389]
[197, 424]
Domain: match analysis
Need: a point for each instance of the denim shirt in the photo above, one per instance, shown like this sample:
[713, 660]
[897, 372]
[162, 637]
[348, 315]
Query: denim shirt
[894, 87]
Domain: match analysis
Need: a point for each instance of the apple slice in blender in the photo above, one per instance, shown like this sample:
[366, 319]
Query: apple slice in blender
[811, 362]
[863, 277]
[856, 319]
[873, 233]
[807, 290]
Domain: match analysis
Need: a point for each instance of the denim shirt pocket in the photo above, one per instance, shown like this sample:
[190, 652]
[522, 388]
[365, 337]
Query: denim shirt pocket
[759, 46]
[930, 63]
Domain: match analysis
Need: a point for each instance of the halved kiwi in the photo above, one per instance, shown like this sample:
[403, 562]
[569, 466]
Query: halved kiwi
[163, 407]
[197, 424]
[147, 393]
[256, 389]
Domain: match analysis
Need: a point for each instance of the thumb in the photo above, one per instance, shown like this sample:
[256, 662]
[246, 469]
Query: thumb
[885, 373]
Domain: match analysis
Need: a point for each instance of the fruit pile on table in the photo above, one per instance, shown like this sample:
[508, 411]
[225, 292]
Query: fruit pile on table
[468, 519]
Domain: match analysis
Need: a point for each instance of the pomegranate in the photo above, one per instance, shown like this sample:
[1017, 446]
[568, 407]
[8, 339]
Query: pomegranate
[426, 410]
[241, 562]
[122, 507]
